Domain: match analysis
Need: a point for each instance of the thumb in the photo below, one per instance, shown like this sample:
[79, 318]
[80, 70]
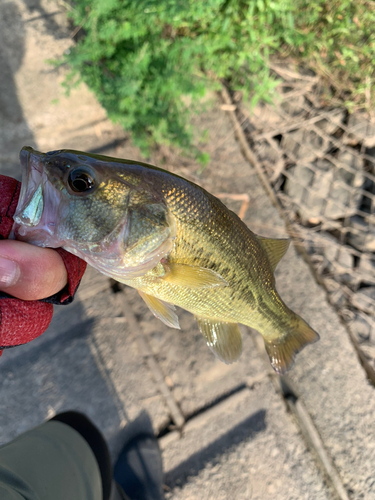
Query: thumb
[29, 272]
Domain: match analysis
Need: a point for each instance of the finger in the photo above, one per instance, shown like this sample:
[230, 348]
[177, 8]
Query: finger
[29, 272]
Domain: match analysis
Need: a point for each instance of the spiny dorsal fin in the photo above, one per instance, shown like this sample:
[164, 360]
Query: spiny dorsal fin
[224, 339]
[283, 351]
[162, 310]
[274, 248]
[192, 276]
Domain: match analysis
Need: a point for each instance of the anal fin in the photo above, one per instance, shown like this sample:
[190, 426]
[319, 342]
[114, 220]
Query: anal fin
[162, 310]
[224, 339]
[283, 351]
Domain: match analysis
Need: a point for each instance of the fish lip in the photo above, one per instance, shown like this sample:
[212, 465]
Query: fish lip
[40, 231]
[32, 178]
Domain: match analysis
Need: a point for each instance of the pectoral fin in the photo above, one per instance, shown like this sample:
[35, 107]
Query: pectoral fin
[192, 276]
[224, 339]
[283, 351]
[275, 249]
[162, 310]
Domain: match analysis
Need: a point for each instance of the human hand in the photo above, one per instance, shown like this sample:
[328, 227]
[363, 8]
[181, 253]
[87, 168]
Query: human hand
[31, 278]
[29, 272]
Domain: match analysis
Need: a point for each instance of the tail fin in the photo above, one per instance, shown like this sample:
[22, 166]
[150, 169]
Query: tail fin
[282, 351]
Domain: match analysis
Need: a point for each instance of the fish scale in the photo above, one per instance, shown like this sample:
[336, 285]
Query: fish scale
[168, 238]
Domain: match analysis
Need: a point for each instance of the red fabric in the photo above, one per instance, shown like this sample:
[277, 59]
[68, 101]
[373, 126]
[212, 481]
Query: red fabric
[22, 321]
[9, 194]
[75, 268]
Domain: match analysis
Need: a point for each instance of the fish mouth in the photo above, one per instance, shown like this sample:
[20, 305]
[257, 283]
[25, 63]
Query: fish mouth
[36, 212]
[30, 205]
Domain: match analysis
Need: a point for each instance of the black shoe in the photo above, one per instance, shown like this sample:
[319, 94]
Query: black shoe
[139, 468]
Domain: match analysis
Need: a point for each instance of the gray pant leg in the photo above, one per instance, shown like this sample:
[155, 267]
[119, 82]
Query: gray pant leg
[50, 462]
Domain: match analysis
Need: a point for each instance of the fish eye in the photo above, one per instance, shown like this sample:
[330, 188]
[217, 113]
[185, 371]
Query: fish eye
[81, 180]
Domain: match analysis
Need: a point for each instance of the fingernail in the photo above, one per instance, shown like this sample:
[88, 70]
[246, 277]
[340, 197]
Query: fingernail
[9, 272]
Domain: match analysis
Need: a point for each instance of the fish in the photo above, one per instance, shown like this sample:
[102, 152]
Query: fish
[168, 238]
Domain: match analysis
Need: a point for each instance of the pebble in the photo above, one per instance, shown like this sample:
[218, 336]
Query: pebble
[330, 247]
[345, 258]
[360, 129]
[331, 124]
[338, 299]
[345, 193]
[294, 107]
[364, 300]
[303, 144]
[361, 328]
[371, 152]
[352, 161]
[267, 152]
[363, 235]
[366, 268]
[322, 190]
[265, 117]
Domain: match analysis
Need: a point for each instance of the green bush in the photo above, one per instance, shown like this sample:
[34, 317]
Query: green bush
[149, 62]
[337, 38]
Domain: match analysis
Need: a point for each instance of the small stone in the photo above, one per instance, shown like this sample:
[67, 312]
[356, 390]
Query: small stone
[368, 200]
[357, 235]
[298, 177]
[370, 240]
[271, 489]
[316, 202]
[371, 152]
[331, 192]
[311, 243]
[323, 179]
[338, 299]
[361, 129]
[345, 258]
[352, 161]
[330, 124]
[362, 235]
[331, 285]
[351, 279]
[337, 203]
[329, 246]
[274, 452]
[294, 107]
[265, 117]
[303, 174]
[345, 192]
[364, 300]
[268, 153]
[317, 178]
[303, 144]
[366, 268]
[361, 328]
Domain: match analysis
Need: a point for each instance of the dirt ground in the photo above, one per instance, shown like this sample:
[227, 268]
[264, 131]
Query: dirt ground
[226, 431]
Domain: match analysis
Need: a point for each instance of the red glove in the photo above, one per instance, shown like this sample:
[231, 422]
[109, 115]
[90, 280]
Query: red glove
[22, 321]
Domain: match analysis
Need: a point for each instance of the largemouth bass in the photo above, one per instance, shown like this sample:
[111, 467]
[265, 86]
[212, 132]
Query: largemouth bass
[168, 238]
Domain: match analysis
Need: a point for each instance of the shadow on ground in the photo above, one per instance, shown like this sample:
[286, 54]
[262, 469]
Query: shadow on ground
[14, 129]
[245, 430]
[56, 372]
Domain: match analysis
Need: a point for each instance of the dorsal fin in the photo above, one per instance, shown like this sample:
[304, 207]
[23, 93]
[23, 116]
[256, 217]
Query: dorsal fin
[274, 248]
